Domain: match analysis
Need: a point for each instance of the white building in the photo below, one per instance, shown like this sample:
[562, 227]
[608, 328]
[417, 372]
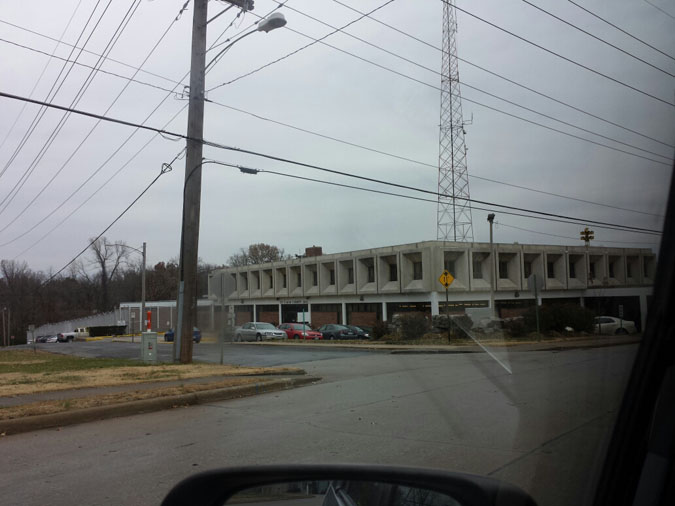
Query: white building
[361, 287]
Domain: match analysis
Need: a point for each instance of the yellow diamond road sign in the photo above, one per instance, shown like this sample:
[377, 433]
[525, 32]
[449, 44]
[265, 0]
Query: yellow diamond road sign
[446, 279]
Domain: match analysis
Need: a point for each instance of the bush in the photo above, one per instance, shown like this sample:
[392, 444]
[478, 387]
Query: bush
[556, 317]
[515, 327]
[380, 329]
[414, 325]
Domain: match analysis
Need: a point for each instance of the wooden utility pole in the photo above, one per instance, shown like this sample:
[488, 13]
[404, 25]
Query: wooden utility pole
[187, 284]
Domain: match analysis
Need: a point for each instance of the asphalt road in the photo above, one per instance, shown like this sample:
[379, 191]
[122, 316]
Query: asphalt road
[543, 427]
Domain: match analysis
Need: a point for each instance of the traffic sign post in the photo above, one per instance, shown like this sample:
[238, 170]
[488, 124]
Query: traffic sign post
[446, 280]
[535, 284]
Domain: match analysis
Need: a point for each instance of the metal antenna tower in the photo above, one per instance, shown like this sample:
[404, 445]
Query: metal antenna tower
[454, 210]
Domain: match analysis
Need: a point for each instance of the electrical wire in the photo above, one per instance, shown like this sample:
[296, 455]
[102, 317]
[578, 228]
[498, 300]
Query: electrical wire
[249, 170]
[620, 29]
[570, 60]
[660, 9]
[464, 98]
[465, 84]
[312, 166]
[119, 216]
[44, 69]
[548, 13]
[62, 121]
[565, 236]
[516, 83]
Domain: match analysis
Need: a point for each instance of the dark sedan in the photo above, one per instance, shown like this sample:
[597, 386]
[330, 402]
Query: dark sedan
[333, 331]
[361, 333]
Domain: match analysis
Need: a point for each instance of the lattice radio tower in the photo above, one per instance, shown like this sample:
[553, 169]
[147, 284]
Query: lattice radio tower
[454, 210]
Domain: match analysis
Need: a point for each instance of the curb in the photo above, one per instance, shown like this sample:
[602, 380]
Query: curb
[38, 422]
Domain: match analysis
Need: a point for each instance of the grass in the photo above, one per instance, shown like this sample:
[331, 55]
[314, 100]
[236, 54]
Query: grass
[60, 405]
[24, 372]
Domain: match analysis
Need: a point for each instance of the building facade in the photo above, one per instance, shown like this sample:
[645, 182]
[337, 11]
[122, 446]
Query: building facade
[365, 286]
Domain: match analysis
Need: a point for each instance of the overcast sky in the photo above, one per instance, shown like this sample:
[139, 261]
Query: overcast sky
[332, 93]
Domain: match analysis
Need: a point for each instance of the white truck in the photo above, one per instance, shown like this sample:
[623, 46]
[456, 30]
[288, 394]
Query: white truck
[67, 337]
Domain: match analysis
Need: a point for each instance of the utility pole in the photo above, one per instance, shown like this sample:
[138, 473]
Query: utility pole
[187, 283]
[491, 219]
[145, 326]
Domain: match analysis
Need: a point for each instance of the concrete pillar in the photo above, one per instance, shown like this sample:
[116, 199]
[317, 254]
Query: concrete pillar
[254, 317]
[384, 311]
[434, 304]
[344, 313]
[643, 312]
[281, 320]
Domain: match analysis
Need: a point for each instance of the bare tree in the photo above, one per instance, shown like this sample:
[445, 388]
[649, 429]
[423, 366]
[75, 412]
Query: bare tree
[257, 254]
[108, 258]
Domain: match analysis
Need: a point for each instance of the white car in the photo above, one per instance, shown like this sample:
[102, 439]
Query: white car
[258, 331]
[611, 325]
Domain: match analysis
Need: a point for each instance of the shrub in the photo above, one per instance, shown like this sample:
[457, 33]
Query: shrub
[515, 327]
[556, 317]
[414, 325]
[380, 329]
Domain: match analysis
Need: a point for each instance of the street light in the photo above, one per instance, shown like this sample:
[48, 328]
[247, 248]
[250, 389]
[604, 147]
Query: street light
[144, 325]
[189, 241]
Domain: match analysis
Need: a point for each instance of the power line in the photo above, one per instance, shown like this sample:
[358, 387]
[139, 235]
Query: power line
[470, 86]
[51, 94]
[660, 9]
[314, 41]
[119, 216]
[516, 83]
[62, 121]
[82, 49]
[541, 9]
[418, 162]
[249, 170]
[620, 29]
[574, 62]
[567, 237]
[44, 69]
[89, 133]
[389, 69]
[307, 165]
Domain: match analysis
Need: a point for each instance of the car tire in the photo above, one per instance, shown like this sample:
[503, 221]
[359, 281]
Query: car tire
[296, 336]
[621, 332]
[238, 338]
[258, 337]
[331, 337]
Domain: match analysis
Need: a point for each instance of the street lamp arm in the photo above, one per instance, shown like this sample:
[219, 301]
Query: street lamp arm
[224, 50]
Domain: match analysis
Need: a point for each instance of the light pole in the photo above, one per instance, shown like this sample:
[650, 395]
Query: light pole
[189, 241]
[491, 219]
[144, 325]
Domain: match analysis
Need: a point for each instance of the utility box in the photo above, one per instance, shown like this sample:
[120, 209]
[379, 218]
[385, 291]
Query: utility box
[149, 351]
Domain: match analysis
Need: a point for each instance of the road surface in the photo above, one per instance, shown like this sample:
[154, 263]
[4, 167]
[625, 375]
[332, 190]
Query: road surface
[543, 427]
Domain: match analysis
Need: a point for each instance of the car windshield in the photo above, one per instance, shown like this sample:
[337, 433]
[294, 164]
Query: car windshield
[484, 190]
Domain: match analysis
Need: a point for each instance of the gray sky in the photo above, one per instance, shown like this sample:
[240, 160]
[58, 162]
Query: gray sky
[335, 94]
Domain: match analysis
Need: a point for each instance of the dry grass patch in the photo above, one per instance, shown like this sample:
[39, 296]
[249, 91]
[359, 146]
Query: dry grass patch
[58, 406]
[25, 372]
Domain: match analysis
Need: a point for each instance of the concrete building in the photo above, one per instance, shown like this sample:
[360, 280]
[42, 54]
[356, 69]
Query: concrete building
[164, 315]
[362, 287]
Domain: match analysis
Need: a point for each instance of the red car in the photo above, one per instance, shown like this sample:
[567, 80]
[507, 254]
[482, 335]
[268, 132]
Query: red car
[299, 331]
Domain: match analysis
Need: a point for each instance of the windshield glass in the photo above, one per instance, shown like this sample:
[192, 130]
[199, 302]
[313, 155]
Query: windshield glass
[483, 191]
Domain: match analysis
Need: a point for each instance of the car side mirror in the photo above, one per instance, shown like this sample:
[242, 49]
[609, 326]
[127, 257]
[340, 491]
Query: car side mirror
[349, 485]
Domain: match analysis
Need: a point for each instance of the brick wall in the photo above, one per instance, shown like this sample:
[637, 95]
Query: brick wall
[242, 317]
[363, 318]
[269, 317]
[324, 317]
[163, 316]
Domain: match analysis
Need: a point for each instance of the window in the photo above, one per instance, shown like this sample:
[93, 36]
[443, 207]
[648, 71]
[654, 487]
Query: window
[299, 278]
[393, 272]
[573, 271]
[234, 277]
[417, 270]
[592, 269]
[477, 268]
[611, 269]
[449, 265]
[503, 269]
[629, 270]
[371, 274]
[315, 278]
[350, 275]
[283, 280]
[257, 282]
[245, 280]
[331, 276]
[527, 268]
[550, 269]
[645, 266]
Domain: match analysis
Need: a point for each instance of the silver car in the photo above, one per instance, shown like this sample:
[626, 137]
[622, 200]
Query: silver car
[258, 331]
[612, 325]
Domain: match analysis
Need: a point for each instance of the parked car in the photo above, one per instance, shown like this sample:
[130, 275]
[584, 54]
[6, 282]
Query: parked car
[169, 335]
[258, 331]
[300, 331]
[612, 325]
[50, 339]
[361, 333]
[67, 337]
[334, 331]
